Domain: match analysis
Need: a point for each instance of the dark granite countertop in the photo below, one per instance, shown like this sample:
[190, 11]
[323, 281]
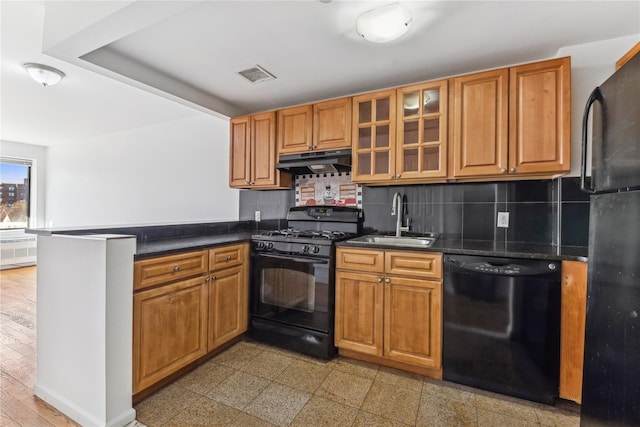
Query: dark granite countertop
[169, 246]
[492, 248]
[167, 239]
[164, 239]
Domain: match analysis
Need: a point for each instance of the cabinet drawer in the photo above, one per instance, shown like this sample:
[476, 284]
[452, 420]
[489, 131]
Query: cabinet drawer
[150, 272]
[371, 261]
[226, 256]
[415, 264]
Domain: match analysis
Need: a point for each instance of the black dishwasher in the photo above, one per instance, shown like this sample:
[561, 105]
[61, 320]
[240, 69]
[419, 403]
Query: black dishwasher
[502, 325]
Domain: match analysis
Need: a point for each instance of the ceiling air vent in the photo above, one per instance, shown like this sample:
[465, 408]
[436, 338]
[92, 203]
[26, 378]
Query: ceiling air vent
[256, 74]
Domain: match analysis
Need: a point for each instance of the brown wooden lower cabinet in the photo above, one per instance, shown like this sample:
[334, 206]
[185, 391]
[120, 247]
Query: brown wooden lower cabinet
[179, 322]
[228, 298]
[413, 321]
[389, 318]
[169, 329]
[573, 317]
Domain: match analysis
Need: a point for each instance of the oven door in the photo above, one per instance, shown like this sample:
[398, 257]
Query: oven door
[292, 290]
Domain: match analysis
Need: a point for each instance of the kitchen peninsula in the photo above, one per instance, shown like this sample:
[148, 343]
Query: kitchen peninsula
[85, 311]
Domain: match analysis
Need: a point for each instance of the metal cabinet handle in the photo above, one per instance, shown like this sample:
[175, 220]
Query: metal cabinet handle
[213, 277]
[176, 268]
[398, 176]
[207, 279]
[228, 257]
[387, 280]
[596, 95]
[503, 170]
[379, 279]
[512, 170]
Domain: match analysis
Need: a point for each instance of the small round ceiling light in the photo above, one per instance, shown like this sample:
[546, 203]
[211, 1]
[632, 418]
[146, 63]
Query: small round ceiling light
[43, 74]
[384, 23]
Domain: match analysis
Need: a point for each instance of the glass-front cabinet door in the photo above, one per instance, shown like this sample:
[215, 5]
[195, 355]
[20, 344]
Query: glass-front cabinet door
[421, 148]
[374, 137]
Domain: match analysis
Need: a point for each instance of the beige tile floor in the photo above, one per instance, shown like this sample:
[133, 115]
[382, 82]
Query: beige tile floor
[252, 384]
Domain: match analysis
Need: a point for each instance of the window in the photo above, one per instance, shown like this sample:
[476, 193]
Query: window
[15, 176]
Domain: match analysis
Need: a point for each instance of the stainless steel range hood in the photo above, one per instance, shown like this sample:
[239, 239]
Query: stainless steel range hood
[316, 162]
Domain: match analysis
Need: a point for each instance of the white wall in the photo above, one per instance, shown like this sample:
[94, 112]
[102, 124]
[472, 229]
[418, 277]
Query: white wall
[173, 172]
[591, 65]
[38, 154]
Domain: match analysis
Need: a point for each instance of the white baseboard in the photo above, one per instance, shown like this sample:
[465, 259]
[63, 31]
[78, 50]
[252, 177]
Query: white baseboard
[78, 414]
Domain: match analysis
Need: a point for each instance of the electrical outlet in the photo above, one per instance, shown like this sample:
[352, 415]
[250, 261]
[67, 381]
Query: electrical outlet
[503, 219]
[257, 216]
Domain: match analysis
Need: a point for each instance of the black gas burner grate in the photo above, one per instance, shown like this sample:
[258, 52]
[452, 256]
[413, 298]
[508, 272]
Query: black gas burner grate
[307, 234]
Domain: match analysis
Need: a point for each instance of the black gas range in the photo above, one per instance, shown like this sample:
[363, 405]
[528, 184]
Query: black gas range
[292, 287]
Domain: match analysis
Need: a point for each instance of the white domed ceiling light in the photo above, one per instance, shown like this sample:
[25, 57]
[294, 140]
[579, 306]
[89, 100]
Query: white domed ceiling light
[385, 23]
[43, 74]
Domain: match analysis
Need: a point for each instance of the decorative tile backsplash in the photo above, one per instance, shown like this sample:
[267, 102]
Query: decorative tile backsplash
[327, 189]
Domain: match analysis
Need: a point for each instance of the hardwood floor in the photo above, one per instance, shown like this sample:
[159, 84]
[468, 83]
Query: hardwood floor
[18, 405]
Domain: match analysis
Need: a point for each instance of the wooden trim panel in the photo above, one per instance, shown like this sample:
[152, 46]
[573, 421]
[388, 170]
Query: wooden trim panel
[572, 329]
[627, 56]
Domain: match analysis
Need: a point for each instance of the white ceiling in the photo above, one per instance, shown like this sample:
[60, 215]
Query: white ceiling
[132, 64]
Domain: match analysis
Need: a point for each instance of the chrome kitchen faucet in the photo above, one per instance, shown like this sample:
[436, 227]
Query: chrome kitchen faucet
[398, 206]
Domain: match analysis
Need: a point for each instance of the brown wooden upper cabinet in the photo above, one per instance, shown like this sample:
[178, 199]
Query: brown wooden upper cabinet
[374, 133]
[480, 124]
[512, 121]
[421, 142]
[253, 153]
[401, 135]
[318, 127]
[295, 129]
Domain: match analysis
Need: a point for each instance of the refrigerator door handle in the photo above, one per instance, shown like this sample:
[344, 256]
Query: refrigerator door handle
[596, 95]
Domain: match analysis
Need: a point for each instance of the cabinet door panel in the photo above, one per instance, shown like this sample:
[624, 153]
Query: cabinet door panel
[227, 306]
[413, 321]
[169, 330]
[264, 149]
[240, 152]
[480, 124]
[332, 124]
[540, 117]
[359, 312]
[374, 118]
[421, 141]
[295, 129]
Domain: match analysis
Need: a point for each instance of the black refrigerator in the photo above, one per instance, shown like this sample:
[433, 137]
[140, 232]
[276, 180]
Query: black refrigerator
[611, 379]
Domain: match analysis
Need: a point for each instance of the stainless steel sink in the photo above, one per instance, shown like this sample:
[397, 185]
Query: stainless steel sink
[424, 241]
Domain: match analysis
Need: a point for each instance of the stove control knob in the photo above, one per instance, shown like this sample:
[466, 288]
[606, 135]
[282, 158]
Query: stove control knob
[316, 249]
[269, 246]
[305, 249]
[260, 245]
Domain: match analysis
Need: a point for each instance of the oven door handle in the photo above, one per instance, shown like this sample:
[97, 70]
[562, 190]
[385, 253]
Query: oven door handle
[294, 258]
